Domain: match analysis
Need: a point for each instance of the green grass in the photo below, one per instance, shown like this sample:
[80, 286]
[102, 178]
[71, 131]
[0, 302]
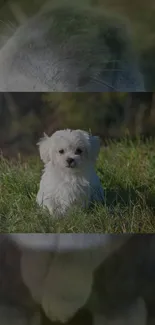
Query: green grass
[127, 172]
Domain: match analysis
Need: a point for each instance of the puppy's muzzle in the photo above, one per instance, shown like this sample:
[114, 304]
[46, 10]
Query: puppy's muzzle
[70, 163]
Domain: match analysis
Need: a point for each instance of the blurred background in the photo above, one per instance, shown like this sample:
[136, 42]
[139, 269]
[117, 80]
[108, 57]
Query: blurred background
[139, 13]
[25, 116]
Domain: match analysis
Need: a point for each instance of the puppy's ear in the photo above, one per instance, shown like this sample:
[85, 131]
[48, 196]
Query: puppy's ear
[95, 146]
[43, 145]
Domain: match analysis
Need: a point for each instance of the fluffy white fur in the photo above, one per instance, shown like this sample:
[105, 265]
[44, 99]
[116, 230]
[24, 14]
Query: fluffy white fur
[65, 185]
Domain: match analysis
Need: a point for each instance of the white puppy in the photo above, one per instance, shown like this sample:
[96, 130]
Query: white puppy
[69, 179]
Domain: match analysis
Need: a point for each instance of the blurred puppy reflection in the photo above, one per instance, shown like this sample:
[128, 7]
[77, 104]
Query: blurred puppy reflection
[67, 46]
[77, 279]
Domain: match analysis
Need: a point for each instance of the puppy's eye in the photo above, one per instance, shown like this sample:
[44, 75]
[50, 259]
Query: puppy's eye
[78, 151]
[61, 151]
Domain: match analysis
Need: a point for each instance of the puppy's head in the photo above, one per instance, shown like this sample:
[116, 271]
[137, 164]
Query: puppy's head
[70, 149]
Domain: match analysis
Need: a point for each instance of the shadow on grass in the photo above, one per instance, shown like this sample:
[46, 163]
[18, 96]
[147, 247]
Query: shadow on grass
[129, 196]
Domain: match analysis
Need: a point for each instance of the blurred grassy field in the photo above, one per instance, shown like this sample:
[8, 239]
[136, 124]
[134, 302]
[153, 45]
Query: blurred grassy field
[127, 172]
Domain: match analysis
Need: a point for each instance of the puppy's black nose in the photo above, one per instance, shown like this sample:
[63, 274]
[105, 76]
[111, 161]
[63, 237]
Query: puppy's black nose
[70, 161]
